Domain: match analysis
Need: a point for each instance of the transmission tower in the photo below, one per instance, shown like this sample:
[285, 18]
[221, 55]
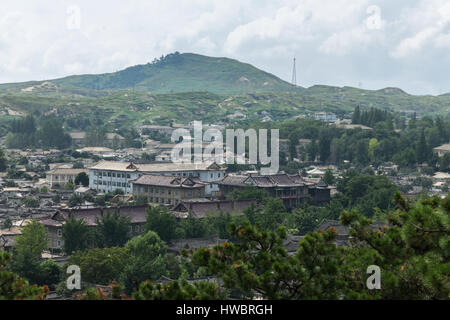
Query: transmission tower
[294, 75]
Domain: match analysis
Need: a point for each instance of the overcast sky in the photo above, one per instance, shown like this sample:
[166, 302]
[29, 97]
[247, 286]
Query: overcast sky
[359, 43]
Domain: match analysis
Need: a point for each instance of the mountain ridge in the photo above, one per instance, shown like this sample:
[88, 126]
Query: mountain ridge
[189, 72]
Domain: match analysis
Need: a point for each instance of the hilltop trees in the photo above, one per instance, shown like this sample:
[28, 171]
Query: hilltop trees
[24, 133]
[52, 135]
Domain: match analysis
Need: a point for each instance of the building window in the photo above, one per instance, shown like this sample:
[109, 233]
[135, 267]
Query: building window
[58, 243]
[59, 232]
[128, 175]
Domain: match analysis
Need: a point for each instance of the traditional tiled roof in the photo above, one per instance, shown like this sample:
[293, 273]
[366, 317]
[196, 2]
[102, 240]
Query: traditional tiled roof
[200, 209]
[277, 180]
[168, 181]
[155, 167]
[137, 214]
[233, 180]
[63, 171]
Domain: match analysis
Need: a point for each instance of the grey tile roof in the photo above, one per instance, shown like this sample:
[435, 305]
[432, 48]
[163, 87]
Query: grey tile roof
[168, 181]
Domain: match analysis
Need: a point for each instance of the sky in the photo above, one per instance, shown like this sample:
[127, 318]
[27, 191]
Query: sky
[358, 43]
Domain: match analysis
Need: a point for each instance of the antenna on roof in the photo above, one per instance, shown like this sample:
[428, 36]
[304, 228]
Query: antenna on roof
[294, 74]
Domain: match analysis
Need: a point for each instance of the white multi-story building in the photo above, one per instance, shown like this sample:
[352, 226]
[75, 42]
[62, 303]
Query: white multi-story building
[326, 116]
[107, 176]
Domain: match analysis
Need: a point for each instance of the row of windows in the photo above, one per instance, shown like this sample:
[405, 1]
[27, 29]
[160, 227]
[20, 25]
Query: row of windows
[112, 174]
[63, 177]
[127, 175]
[112, 183]
[150, 190]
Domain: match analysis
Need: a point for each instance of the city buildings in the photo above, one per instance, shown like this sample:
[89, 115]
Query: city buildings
[107, 176]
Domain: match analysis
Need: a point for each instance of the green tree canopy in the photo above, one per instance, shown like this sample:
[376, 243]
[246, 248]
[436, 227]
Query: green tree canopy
[76, 235]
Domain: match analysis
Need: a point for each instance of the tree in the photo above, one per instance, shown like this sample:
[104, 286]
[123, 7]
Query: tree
[161, 222]
[356, 118]
[52, 134]
[28, 249]
[250, 192]
[329, 177]
[411, 249]
[306, 220]
[362, 152]
[113, 230]
[413, 252]
[194, 227]
[324, 145]
[13, 287]
[7, 224]
[101, 266]
[75, 201]
[50, 272]
[273, 214]
[76, 235]
[422, 149]
[3, 161]
[147, 261]
[373, 147]
[78, 165]
[179, 290]
[258, 265]
[31, 202]
[312, 150]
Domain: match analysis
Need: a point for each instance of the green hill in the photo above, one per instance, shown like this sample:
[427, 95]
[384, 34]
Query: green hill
[183, 73]
[187, 87]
